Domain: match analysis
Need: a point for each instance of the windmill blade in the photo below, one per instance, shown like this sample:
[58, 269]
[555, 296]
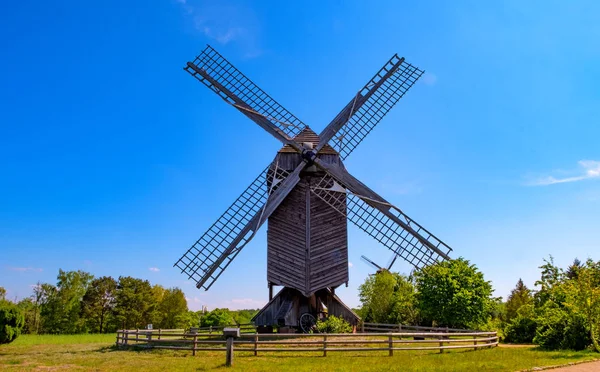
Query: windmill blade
[380, 219]
[391, 262]
[364, 258]
[213, 252]
[370, 105]
[210, 67]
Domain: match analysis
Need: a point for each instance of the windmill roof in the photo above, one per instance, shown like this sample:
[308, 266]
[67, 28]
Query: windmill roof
[307, 135]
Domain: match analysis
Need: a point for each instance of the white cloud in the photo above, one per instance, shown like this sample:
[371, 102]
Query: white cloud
[350, 264]
[225, 23]
[155, 269]
[23, 269]
[588, 169]
[429, 79]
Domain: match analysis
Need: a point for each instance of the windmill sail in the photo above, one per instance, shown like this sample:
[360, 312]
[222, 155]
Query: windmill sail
[213, 252]
[226, 75]
[370, 105]
[378, 218]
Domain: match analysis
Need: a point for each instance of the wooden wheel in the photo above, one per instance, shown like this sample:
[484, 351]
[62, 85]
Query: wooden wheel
[307, 322]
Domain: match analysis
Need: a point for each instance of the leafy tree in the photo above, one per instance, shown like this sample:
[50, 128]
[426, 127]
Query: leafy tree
[173, 308]
[189, 319]
[30, 312]
[549, 283]
[217, 317]
[572, 270]
[2, 293]
[134, 303]
[11, 322]
[522, 327]
[583, 297]
[376, 295]
[98, 303]
[453, 293]
[243, 316]
[333, 324]
[388, 298]
[518, 297]
[63, 303]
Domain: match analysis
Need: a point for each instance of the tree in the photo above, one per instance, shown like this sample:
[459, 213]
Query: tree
[134, 303]
[388, 298]
[572, 270]
[453, 293]
[173, 309]
[11, 321]
[98, 303]
[583, 297]
[376, 295]
[519, 296]
[217, 317]
[62, 309]
[2, 293]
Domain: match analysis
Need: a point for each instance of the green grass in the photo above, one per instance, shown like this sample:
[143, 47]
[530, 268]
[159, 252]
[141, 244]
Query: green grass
[96, 352]
[64, 339]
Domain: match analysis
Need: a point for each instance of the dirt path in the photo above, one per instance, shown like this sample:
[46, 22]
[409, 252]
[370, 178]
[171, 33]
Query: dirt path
[582, 367]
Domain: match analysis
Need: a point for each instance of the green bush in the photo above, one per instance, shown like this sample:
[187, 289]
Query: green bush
[558, 329]
[521, 330]
[333, 324]
[12, 321]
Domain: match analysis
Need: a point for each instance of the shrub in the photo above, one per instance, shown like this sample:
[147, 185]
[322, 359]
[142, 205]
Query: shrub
[558, 329]
[333, 324]
[521, 330]
[12, 321]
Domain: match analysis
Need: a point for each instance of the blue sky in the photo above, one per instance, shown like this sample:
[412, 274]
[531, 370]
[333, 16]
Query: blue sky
[114, 160]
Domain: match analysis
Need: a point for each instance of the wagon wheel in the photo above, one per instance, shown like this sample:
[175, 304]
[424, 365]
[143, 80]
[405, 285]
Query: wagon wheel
[307, 322]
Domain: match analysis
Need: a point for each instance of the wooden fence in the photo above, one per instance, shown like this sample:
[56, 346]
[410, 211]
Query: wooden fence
[380, 327]
[321, 343]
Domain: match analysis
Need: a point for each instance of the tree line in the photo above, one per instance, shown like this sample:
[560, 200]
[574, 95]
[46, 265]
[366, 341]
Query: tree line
[81, 303]
[564, 313]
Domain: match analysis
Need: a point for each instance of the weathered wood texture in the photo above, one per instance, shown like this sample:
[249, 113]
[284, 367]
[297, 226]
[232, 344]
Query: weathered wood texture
[289, 304]
[307, 239]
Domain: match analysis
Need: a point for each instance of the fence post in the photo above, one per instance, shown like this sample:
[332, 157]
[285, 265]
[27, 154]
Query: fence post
[475, 342]
[391, 345]
[149, 340]
[229, 356]
[195, 344]
[137, 336]
[256, 344]
[324, 345]
[210, 330]
[362, 327]
[159, 333]
[441, 344]
[126, 334]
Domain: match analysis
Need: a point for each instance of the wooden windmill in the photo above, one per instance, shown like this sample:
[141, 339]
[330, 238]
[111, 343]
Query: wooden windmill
[307, 196]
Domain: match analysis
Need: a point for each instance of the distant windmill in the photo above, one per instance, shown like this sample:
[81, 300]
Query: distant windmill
[307, 196]
[380, 268]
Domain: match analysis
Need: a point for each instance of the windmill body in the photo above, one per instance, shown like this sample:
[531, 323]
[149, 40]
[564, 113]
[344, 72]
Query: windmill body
[307, 240]
[307, 196]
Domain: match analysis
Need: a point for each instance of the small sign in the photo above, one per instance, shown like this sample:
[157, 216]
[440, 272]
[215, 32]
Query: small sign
[149, 326]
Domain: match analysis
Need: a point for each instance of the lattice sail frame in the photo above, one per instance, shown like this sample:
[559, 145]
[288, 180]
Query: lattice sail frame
[362, 122]
[231, 78]
[211, 246]
[381, 227]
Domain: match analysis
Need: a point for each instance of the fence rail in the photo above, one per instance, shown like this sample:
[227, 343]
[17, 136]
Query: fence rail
[382, 327]
[322, 343]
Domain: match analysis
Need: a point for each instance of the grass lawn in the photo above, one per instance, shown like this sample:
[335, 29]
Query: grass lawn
[96, 352]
